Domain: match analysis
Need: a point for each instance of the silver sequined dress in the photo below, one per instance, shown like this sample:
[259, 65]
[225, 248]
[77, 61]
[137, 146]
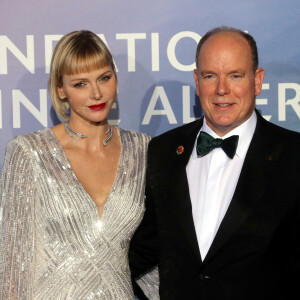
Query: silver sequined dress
[53, 243]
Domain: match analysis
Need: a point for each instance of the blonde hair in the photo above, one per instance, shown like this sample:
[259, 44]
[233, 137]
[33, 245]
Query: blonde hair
[76, 52]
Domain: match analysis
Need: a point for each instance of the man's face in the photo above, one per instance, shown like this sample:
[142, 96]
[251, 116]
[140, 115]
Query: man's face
[225, 81]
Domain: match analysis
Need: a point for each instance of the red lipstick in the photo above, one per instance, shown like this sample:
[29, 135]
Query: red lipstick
[97, 106]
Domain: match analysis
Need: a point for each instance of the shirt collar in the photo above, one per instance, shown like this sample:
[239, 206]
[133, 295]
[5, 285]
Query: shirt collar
[245, 132]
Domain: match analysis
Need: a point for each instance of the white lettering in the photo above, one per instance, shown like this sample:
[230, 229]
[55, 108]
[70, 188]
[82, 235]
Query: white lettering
[264, 101]
[186, 105]
[49, 39]
[265, 86]
[283, 102]
[40, 115]
[102, 37]
[172, 46]
[27, 61]
[159, 92]
[155, 51]
[130, 37]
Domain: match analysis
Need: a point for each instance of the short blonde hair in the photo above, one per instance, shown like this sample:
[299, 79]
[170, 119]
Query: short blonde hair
[76, 52]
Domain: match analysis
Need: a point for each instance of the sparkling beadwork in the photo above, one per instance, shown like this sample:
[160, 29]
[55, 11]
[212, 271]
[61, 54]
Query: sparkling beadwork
[53, 244]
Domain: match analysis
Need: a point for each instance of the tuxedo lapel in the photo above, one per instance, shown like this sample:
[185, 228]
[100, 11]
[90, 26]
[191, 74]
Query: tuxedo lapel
[180, 187]
[254, 178]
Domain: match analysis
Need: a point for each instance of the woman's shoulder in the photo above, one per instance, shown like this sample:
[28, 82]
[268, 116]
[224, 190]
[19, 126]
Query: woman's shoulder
[29, 140]
[26, 147]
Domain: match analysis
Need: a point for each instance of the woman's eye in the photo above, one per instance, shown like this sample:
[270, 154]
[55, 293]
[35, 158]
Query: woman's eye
[105, 78]
[79, 84]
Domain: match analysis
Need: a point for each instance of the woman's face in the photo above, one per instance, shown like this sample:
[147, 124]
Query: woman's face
[90, 95]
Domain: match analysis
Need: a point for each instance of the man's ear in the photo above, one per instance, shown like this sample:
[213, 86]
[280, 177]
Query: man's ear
[196, 81]
[259, 78]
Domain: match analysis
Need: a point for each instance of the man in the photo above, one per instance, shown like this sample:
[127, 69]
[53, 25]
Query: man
[223, 216]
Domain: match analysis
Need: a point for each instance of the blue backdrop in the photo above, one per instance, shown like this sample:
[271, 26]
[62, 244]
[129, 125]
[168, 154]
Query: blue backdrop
[153, 43]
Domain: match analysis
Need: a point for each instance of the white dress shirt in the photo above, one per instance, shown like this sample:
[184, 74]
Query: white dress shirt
[212, 181]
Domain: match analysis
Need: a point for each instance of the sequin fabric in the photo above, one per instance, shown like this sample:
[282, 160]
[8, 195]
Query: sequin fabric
[53, 243]
[149, 283]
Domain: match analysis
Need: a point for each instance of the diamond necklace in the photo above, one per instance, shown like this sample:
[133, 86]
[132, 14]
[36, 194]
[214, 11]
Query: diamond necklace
[72, 133]
[110, 131]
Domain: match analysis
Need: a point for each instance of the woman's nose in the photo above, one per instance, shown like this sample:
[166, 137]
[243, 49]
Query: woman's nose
[96, 92]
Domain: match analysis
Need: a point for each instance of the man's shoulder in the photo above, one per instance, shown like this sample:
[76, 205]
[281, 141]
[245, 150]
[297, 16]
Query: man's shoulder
[278, 140]
[288, 137]
[277, 131]
[176, 133]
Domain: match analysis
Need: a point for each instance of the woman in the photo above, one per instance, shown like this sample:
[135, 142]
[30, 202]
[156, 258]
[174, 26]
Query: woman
[73, 195]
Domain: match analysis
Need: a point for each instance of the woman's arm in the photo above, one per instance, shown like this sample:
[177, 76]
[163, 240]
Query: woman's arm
[17, 193]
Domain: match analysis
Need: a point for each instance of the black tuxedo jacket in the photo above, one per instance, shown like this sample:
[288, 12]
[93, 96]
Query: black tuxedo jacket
[256, 252]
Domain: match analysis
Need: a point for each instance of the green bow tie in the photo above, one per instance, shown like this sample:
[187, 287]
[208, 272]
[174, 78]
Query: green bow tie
[207, 143]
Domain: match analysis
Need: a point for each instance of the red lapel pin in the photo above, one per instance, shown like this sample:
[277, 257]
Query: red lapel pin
[180, 150]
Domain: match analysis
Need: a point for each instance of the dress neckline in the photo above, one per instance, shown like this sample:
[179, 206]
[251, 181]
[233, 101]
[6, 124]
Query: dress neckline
[68, 165]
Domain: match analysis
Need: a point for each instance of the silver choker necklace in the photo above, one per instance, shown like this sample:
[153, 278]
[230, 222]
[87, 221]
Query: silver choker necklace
[110, 131]
[72, 133]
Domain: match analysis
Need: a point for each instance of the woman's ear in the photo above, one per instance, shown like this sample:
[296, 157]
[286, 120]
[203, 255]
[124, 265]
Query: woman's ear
[61, 93]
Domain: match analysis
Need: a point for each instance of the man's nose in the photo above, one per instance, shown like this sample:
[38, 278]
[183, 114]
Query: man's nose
[222, 86]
